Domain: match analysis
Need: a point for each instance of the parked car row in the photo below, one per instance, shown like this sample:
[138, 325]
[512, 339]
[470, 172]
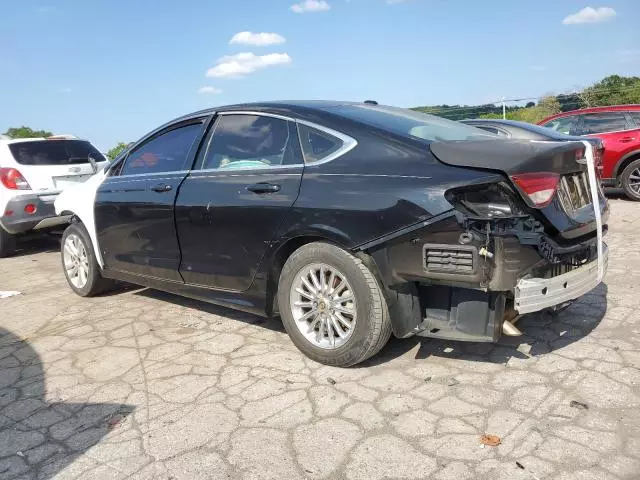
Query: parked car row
[353, 221]
[33, 171]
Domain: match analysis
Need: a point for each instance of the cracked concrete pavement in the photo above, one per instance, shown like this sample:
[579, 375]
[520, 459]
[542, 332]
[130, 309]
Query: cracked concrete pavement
[145, 385]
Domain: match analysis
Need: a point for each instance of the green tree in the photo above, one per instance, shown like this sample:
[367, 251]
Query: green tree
[26, 132]
[612, 90]
[117, 150]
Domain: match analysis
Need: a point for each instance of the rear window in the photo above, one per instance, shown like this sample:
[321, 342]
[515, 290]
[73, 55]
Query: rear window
[410, 123]
[54, 152]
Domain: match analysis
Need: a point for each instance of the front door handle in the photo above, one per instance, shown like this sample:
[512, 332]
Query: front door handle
[263, 188]
[163, 187]
[626, 139]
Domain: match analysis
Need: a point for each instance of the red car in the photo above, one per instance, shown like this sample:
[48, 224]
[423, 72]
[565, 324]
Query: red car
[619, 129]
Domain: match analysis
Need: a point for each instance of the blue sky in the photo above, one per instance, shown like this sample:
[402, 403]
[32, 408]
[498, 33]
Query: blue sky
[112, 70]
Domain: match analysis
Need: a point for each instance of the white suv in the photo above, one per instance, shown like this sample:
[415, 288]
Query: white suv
[33, 171]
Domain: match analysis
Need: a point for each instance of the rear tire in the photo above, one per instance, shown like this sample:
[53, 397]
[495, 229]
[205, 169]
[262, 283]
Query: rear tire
[79, 263]
[351, 320]
[630, 180]
[7, 243]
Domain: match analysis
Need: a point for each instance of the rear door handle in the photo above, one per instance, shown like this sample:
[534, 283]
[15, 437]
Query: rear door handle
[263, 188]
[161, 188]
[626, 139]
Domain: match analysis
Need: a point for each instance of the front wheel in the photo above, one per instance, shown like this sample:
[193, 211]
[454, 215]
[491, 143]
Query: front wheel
[79, 263]
[630, 180]
[332, 306]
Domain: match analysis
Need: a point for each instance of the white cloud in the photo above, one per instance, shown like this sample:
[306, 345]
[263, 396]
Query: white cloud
[245, 63]
[310, 6]
[590, 15]
[258, 39]
[209, 90]
[393, 2]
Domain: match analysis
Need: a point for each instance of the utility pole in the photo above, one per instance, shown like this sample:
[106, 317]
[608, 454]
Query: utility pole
[504, 109]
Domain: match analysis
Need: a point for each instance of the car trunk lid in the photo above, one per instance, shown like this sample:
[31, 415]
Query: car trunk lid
[569, 210]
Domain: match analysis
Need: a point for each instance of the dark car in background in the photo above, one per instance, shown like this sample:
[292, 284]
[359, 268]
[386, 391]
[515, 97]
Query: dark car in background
[618, 127]
[527, 131]
[350, 220]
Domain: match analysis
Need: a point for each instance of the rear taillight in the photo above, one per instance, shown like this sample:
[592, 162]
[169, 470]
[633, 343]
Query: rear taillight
[13, 179]
[538, 188]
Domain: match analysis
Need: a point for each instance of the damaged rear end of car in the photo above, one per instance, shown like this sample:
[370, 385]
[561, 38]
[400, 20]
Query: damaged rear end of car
[524, 238]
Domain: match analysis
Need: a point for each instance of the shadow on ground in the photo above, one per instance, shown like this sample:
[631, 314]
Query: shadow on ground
[37, 243]
[542, 332]
[274, 324]
[39, 438]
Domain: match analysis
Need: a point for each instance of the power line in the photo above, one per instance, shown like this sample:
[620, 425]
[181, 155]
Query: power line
[474, 108]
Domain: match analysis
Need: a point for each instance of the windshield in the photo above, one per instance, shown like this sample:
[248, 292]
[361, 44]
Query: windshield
[55, 152]
[411, 123]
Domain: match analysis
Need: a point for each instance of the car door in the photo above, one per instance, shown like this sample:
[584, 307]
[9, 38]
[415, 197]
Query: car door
[230, 206]
[614, 130]
[134, 206]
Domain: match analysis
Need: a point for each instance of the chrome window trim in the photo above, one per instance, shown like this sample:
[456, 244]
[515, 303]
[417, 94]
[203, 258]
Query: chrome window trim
[348, 143]
[154, 174]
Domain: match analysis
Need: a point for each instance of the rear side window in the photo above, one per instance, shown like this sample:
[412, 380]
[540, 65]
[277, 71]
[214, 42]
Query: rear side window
[603, 122]
[317, 145]
[636, 118]
[566, 125]
[166, 152]
[55, 152]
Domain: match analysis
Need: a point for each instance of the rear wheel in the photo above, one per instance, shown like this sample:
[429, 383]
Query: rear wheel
[7, 243]
[630, 180]
[79, 263]
[332, 305]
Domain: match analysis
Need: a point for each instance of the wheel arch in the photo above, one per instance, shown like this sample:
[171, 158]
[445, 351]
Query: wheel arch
[402, 300]
[625, 161]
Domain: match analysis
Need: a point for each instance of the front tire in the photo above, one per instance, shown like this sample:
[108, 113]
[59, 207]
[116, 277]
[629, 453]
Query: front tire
[332, 305]
[7, 243]
[630, 180]
[79, 263]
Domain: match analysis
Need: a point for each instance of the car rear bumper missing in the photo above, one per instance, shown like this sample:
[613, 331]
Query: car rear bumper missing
[16, 219]
[534, 294]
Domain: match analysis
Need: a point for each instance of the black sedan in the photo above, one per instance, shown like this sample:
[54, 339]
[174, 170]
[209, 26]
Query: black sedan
[349, 220]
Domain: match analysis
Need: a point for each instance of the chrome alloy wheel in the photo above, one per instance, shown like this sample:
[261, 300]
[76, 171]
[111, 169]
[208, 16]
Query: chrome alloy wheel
[323, 305]
[634, 181]
[76, 262]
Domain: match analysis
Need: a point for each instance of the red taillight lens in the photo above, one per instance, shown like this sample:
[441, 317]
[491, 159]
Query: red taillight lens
[538, 188]
[13, 179]
[30, 209]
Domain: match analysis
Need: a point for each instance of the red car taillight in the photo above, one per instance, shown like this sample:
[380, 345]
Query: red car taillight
[13, 179]
[538, 187]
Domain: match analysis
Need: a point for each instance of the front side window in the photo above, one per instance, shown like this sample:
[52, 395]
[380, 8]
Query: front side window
[252, 141]
[317, 145]
[603, 122]
[566, 125]
[167, 152]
